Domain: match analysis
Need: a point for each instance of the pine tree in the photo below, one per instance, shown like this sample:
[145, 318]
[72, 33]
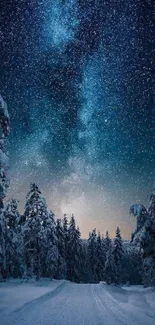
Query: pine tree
[35, 215]
[118, 252]
[83, 268]
[4, 132]
[12, 214]
[144, 236]
[74, 251]
[61, 264]
[107, 241]
[35, 204]
[20, 264]
[104, 255]
[92, 256]
[50, 247]
[151, 209]
[133, 266]
[12, 217]
[65, 231]
[3, 237]
[100, 257]
[110, 268]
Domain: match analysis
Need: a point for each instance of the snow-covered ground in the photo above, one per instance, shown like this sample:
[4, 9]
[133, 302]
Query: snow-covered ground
[65, 303]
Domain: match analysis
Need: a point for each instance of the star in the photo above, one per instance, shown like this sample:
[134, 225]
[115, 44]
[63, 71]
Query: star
[78, 80]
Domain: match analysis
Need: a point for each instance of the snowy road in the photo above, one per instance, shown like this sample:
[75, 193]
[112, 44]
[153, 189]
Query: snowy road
[83, 304]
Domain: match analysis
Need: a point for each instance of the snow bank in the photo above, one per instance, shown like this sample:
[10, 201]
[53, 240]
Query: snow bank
[143, 299]
[14, 294]
[117, 292]
[136, 299]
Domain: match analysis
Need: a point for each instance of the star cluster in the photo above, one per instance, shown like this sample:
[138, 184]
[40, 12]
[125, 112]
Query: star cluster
[78, 79]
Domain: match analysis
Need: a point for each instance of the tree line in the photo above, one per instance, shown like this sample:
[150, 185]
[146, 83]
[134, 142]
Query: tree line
[37, 244]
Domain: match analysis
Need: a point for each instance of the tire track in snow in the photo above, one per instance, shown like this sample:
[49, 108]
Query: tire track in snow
[60, 315]
[104, 307]
[114, 307]
[30, 306]
[40, 299]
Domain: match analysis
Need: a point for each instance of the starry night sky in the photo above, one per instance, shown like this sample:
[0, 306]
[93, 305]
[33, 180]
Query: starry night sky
[78, 79]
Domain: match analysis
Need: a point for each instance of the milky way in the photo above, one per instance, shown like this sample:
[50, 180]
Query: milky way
[78, 79]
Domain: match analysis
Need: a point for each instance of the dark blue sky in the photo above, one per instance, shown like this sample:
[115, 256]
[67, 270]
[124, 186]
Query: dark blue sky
[79, 82]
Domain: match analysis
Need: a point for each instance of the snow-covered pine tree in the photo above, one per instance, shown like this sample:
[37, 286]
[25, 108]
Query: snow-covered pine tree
[104, 255]
[110, 268]
[49, 247]
[18, 241]
[35, 204]
[118, 252]
[74, 252]
[12, 214]
[65, 231]
[100, 258]
[144, 236]
[92, 256]
[133, 266]
[151, 209]
[12, 217]
[4, 118]
[84, 274]
[61, 262]
[4, 132]
[107, 241]
[80, 254]
[35, 214]
[3, 237]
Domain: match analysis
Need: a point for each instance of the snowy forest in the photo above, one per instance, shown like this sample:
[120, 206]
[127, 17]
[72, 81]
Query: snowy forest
[38, 244]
